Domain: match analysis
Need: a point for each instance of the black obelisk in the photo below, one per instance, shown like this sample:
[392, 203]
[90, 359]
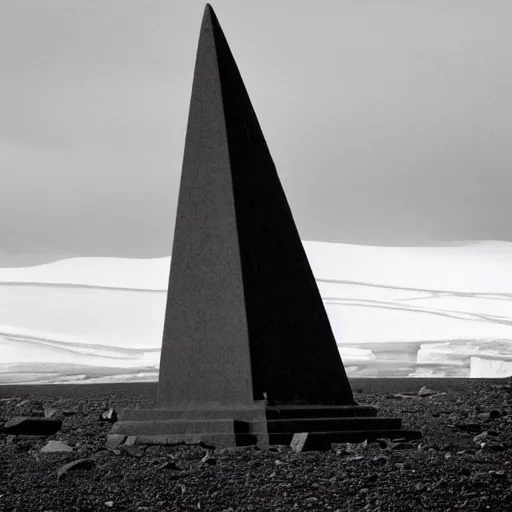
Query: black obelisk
[248, 354]
[244, 315]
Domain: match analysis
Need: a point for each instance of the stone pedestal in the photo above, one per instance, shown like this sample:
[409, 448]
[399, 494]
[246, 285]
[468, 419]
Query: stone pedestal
[259, 424]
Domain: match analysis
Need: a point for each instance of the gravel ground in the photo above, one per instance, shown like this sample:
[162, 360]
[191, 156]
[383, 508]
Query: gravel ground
[463, 462]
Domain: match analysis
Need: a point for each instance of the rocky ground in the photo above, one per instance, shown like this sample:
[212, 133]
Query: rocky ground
[463, 462]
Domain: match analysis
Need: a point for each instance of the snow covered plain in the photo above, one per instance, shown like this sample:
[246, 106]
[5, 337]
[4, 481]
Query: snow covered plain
[421, 311]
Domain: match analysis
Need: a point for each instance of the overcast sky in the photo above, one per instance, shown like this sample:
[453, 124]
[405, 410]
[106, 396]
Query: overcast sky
[390, 122]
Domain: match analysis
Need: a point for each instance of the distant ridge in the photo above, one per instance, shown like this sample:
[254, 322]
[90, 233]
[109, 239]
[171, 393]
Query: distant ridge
[394, 266]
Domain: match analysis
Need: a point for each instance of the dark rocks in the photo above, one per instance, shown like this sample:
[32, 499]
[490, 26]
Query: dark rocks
[33, 408]
[457, 474]
[469, 427]
[424, 391]
[50, 412]
[420, 487]
[380, 460]
[26, 425]
[208, 459]
[110, 416]
[114, 440]
[402, 396]
[500, 473]
[498, 447]
[169, 464]
[402, 445]
[480, 438]
[305, 442]
[132, 451]
[383, 443]
[83, 464]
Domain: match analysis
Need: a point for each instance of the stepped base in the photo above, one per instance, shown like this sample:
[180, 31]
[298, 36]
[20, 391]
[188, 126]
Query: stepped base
[257, 424]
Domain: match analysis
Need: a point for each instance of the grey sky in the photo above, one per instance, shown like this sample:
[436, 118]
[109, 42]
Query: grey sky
[390, 122]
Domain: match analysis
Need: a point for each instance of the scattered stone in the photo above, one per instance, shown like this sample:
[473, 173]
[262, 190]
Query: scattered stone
[456, 473]
[56, 447]
[356, 457]
[383, 443]
[32, 408]
[424, 391]
[114, 440]
[109, 504]
[356, 447]
[299, 442]
[133, 451]
[50, 412]
[403, 395]
[208, 459]
[30, 425]
[307, 442]
[110, 416]
[278, 448]
[498, 447]
[130, 441]
[84, 464]
[102, 454]
[478, 440]
[401, 445]
[169, 464]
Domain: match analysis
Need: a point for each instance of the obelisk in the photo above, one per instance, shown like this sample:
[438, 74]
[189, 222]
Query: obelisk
[244, 315]
[248, 354]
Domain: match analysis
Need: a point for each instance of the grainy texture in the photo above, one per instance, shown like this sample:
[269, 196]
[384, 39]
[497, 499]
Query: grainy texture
[446, 470]
[244, 315]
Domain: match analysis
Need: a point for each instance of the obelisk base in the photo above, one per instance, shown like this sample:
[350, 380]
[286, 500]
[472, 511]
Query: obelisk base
[259, 424]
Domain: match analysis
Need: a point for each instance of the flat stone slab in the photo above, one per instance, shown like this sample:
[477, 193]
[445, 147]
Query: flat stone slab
[217, 432]
[197, 412]
[309, 442]
[332, 424]
[319, 411]
[32, 426]
[56, 447]
[257, 430]
[174, 427]
[114, 440]
[74, 465]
